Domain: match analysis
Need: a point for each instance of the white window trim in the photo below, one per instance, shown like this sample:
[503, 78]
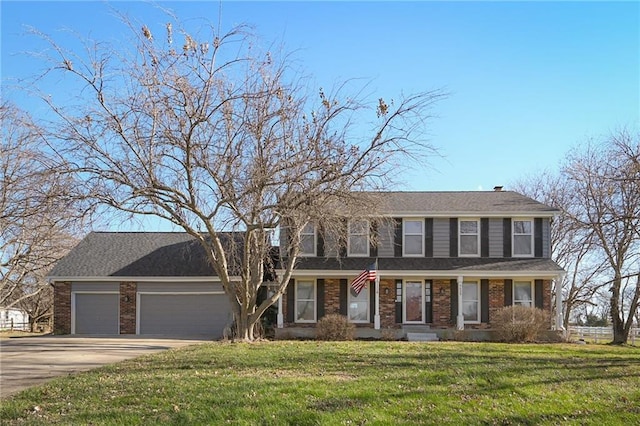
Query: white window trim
[404, 234]
[477, 253]
[479, 301]
[349, 239]
[315, 242]
[404, 301]
[513, 235]
[315, 302]
[349, 296]
[531, 286]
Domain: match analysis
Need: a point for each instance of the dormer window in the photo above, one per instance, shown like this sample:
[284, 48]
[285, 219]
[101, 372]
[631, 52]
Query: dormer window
[469, 238]
[308, 240]
[358, 243]
[522, 238]
[413, 238]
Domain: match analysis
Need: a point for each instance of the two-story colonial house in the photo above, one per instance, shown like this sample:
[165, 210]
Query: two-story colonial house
[444, 261]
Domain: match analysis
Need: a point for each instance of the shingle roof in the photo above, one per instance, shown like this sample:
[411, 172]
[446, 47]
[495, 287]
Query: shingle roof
[432, 264]
[460, 202]
[133, 254]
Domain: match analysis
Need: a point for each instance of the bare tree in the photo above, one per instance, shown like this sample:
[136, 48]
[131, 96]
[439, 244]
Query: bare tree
[604, 180]
[214, 136]
[39, 214]
[571, 245]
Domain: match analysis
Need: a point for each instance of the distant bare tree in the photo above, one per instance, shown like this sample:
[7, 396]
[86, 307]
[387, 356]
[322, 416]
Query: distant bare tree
[203, 130]
[604, 180]
[38, 211]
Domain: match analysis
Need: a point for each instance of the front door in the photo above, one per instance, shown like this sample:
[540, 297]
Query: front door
[413, 302]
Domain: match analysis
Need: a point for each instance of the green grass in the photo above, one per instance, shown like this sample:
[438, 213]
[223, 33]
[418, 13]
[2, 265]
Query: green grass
[349, 383]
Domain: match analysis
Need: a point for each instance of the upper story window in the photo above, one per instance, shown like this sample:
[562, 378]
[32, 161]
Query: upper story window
[469, 237]
[413, 237]
[522, 293]
[308, 240]
[522, 237]
[358, 243]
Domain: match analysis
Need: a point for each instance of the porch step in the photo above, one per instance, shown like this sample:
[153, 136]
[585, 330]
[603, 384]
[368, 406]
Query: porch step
[422, 337]
[416, 328]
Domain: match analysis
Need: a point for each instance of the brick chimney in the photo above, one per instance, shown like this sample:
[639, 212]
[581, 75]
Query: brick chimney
[497, 188]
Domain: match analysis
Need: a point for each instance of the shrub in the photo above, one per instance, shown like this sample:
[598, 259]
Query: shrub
[335, 327]
[388, 334]
[520, 323]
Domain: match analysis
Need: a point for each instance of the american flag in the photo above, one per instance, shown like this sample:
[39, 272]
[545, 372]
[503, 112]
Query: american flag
[365, 276]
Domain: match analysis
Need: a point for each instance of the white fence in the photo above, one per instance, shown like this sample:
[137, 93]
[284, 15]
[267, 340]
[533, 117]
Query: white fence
[600, 334]
[10, 324]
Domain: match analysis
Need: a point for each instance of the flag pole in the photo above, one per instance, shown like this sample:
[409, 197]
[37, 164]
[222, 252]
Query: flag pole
[376, 317]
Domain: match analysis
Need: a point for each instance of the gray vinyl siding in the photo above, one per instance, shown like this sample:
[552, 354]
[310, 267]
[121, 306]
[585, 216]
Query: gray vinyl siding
[331, 246]
[440, 237]
[97, 286]
[385, 239]
[495, 237]
[179, 287]
[546, 238]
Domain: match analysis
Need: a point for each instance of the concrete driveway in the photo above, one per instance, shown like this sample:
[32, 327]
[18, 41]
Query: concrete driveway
[29, 361]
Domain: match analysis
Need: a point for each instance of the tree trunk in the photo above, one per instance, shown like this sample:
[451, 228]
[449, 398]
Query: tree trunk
[619, 335]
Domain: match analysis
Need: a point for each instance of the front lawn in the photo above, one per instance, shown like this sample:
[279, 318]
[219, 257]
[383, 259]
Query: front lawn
[354, 383]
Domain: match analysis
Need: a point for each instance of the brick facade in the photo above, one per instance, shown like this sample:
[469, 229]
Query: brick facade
[441, 302]
[62, 308]
[128, 307]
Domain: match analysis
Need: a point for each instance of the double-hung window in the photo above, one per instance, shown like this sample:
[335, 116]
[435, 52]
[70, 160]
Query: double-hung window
[522, 237]
[358, 243]
[469, 237]
[308, 240]
[471, 301]
[413, 238]
[305, 301]
[359, 305]
[522, 293]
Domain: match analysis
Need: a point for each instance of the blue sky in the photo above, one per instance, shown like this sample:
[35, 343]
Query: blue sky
[527, 80]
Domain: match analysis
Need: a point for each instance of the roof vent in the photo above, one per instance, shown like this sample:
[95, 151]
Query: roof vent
[497, 188]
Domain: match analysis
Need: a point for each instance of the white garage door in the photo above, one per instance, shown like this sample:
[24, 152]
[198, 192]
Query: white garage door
[183, 314]
[97, 313]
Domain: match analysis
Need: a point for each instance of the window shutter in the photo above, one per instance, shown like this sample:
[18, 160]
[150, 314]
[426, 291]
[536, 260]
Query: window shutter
[291, 301]
[320, 242]
[484, 300]
[397, 239]
[506, 236]
[484, 237]
[345, 234]
[373, 240]
[539, 293]
[398, 303]
[537, 239]
[343, 296]
[454, 300]
[320, 297]
[372, 301]
[508, 292]
[428, 308]
[428, 237]
[453, 237]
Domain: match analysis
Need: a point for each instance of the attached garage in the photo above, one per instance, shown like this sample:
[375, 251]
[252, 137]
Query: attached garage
[182, 309]
[95, 309]
[139, 283]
